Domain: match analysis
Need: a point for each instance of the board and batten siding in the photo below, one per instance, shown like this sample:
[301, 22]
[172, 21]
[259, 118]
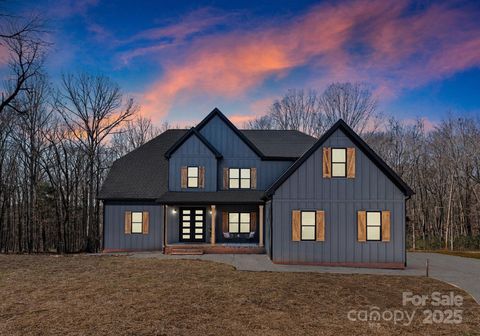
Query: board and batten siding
[340, 198]
[237, 154]
[114, 231]
[192, 152]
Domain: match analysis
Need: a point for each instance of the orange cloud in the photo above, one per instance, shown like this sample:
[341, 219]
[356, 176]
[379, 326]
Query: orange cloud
[373, 41]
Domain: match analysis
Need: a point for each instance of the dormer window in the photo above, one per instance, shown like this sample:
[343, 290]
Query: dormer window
[192, 177]
[239, 178]
[339, 162]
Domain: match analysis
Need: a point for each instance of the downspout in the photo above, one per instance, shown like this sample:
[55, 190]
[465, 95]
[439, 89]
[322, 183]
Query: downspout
[405, 227]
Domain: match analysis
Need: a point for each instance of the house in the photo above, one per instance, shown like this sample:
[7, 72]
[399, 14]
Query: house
[217, 189]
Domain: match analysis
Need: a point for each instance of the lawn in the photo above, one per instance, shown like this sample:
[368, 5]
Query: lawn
[105, 295]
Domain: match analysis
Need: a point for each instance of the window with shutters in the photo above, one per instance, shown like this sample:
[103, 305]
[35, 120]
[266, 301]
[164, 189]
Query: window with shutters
[307, 225]
[239, 222]
[339, 162]
[137, 222]
[374, 225]
[239, 178]
[192, 177]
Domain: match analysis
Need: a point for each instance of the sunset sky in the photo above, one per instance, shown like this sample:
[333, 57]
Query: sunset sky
[180, 59]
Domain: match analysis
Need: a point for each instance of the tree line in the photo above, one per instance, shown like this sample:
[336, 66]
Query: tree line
[57, 142]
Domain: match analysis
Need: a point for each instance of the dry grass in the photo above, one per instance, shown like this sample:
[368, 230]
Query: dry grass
[86, 295]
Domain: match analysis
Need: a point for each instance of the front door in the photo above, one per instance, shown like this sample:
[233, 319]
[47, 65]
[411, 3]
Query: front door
[192, 225]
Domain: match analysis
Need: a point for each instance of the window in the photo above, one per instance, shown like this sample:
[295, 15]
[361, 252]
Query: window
[339, 162]
[137, 222]
[308, 225]
[239, 178]
[374, 225]
[239, 222]
[192, 177]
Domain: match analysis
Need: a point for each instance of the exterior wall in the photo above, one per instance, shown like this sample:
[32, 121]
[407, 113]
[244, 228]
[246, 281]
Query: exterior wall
[268, 227]
[340, 198]
[237, 154]
[192, 153]
[114, 230]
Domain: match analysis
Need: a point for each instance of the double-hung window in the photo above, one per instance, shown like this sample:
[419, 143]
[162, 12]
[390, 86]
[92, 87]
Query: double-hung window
[307, 225]
[374, 225]
[137, 222]
[192, 177]
[239, 178]
[339, 162]
[239, 222]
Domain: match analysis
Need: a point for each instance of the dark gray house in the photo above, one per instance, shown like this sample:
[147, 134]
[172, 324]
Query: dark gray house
[217, 189]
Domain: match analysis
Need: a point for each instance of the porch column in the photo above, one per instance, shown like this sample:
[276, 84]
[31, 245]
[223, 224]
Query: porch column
[214, 215]
[260, 225]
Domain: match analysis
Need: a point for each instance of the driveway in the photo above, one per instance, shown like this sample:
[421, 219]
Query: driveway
[458, 271]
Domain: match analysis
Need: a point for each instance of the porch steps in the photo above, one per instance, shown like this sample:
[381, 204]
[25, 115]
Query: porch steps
[185, 251]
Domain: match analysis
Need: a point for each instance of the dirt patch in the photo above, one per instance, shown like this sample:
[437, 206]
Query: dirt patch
[106, 295]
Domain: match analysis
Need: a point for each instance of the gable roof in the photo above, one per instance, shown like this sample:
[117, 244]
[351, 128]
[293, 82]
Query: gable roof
[217, 113]
[362, 145]
[287, 144]
[192, 132]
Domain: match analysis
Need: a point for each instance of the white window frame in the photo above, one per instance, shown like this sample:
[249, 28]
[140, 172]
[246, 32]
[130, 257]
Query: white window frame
[344, 163]
[314, 225]
[379, 226]
[242, 178]
[194, 177]
[135, 223]
[238, 222]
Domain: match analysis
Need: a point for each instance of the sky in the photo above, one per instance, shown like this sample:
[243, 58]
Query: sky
[180, 59]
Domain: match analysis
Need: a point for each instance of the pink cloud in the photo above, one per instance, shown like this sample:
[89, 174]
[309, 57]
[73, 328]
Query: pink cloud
[372, 41]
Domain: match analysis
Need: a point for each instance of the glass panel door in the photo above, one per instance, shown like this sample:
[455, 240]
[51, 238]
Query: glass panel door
[192, 225]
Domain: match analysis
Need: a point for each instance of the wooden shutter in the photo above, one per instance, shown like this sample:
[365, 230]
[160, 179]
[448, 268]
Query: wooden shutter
[128, 222]
[201, 177]
[183, 177]
[145, 222]
[362, 226]
[386, 225]
[350, 162]
[320, 222]
[225, 221]
[296, 225]
[327, 162]
[253, 221]
[225, 178]
[253, 178]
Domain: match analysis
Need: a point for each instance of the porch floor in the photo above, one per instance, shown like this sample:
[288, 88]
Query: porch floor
[185, 248]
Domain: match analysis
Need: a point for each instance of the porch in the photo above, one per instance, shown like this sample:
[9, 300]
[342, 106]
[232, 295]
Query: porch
[195, 228]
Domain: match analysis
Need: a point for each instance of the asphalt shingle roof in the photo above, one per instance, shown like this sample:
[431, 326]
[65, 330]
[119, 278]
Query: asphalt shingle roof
[217, 197]
[143, 173]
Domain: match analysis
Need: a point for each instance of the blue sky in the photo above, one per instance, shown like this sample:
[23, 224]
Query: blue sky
[180, 59]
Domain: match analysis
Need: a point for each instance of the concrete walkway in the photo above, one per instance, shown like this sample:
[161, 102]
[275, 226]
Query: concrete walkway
[461, 272]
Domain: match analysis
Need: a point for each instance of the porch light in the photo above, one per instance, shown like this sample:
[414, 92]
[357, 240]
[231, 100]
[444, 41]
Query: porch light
[174, 211]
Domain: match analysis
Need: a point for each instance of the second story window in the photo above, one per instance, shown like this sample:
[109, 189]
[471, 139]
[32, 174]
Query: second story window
[239, 178]
[339, 162]
[192, 177]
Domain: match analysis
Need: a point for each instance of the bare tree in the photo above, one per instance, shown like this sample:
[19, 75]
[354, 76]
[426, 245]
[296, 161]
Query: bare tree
[133, 134]
[26, 47]
[92, 108]
[352, 102]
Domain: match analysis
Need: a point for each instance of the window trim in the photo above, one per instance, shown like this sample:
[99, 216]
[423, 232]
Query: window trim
[240, 222]
[337, 162]
[141, 222]
[197, 177]
[239, 178]
[314, 225]
[366, 226]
